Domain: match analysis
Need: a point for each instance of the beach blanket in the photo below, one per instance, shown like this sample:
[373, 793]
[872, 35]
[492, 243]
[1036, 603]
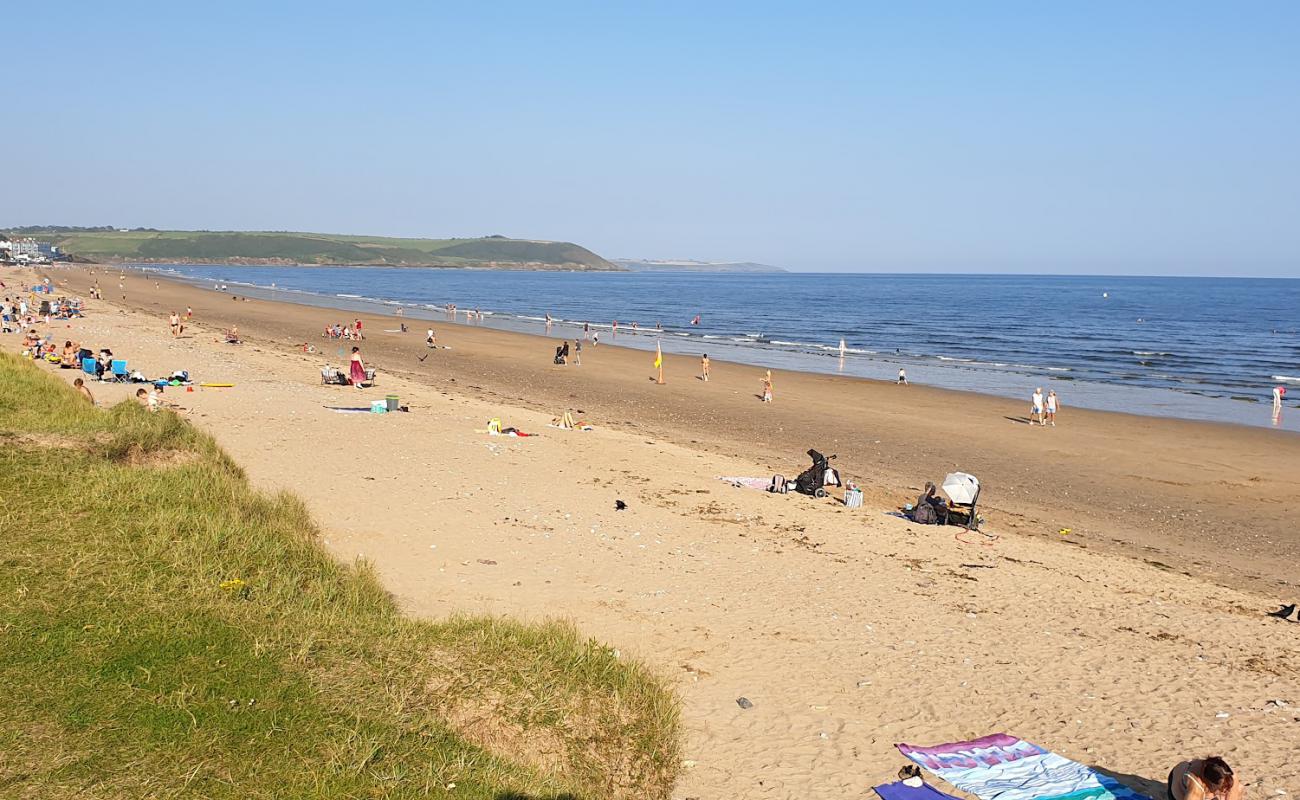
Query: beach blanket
[901, 791]
[1002, 767]
[751, 483]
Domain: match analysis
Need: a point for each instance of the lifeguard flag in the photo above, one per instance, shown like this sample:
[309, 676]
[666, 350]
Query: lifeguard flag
[659, 356]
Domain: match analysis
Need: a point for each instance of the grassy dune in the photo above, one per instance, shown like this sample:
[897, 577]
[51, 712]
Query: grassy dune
[316, 248]
[166, 631]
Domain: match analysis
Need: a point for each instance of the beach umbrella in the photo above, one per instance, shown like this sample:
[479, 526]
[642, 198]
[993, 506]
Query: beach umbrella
[961, 488]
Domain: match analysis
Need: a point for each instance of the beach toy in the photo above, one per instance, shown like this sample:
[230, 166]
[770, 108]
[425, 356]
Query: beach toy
[216, 385]
[391, 402]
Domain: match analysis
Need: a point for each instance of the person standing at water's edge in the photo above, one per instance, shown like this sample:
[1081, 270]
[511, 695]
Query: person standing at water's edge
[902, 377]
[1036, 407]
[357, 370]
[704, 367]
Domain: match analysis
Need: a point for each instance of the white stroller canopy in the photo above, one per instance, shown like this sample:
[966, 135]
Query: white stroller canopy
[960, 487]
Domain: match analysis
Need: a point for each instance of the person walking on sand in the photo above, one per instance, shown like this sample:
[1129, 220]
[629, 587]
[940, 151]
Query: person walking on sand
[358, 370]
[189, 313]
[1052, 404]
[704, 368]
[1036, 407]
[577, 352]
[902, 377]
[356, 330]
[175, 322]
[1208, 778]
[767, 387]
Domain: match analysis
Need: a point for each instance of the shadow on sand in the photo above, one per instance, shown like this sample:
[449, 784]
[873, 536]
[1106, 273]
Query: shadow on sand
[1111, 779]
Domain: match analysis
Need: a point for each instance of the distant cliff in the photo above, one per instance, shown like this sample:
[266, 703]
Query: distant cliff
[685, 265]
[279, 247]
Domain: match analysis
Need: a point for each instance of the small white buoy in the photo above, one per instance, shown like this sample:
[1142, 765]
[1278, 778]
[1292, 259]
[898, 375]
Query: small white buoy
[1105, 295]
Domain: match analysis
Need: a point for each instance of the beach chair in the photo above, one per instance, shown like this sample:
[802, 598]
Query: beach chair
[119, 371]
[963, 492]
[90, 366]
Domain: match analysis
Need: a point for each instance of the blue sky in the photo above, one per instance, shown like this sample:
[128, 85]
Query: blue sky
[1143, 137]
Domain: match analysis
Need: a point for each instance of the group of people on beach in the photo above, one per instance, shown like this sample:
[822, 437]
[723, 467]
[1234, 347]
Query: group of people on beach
[341, 330]
[19, 314]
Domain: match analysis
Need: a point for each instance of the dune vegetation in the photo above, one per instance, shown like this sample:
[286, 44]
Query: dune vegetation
[167, 631]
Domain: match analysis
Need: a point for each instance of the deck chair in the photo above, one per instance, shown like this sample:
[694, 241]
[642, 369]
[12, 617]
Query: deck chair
[120, 373]
[90, 366]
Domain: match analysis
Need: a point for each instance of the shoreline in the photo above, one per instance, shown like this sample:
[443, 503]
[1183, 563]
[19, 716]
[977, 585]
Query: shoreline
[1138, 485]
[1102, 387]
[848, 630]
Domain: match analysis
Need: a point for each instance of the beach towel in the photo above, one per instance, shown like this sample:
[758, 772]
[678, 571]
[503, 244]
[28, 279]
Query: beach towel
[1002, 767]
[901, 791]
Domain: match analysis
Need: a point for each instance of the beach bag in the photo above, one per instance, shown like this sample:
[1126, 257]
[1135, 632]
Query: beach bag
[924, 514]
[853, 498]
[778, 485]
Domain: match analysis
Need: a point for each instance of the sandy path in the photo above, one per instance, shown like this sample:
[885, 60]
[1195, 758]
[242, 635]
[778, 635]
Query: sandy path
[848, 631]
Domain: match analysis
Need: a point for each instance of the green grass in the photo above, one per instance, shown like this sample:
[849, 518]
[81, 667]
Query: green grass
[315, 248]
[166, 631]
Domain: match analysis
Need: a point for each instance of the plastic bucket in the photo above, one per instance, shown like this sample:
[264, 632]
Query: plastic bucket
[391, 402]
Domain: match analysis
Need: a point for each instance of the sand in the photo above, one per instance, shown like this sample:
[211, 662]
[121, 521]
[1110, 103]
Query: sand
[848, 630]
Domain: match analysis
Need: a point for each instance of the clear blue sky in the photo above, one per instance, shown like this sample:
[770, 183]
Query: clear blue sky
[1148, 137]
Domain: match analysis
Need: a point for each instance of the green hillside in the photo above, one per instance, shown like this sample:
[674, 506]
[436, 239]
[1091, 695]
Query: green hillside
[107, 244]
[166, 631]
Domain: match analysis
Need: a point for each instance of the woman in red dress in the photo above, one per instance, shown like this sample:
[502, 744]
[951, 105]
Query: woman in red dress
[358, 370]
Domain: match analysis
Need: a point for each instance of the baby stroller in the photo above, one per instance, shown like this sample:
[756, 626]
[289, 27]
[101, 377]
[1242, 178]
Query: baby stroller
[816, 478]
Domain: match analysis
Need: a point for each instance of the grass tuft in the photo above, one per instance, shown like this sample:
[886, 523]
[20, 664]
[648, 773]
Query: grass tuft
[170, 632]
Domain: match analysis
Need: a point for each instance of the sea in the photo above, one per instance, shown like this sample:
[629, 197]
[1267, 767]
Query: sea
[1191, 348]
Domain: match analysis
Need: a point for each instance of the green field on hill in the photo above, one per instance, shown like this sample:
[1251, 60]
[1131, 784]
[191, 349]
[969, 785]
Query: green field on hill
[314, 248]
[167, 631]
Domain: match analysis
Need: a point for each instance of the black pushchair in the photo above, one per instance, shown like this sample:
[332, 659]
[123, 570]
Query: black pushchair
[816, 478]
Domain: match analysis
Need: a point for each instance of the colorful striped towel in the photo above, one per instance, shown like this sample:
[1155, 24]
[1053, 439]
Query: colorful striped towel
[1002, 767]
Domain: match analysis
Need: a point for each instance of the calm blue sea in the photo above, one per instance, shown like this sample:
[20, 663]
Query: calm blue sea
[1197, 348]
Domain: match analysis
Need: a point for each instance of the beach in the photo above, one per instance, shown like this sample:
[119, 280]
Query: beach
[1115, 612]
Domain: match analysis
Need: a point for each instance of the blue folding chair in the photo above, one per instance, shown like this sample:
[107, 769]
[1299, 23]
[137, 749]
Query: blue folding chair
[90, 366]
[120, 373]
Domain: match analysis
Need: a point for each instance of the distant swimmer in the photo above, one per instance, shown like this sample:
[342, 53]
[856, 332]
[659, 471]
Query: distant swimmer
[1105, 295]
[696, 320]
